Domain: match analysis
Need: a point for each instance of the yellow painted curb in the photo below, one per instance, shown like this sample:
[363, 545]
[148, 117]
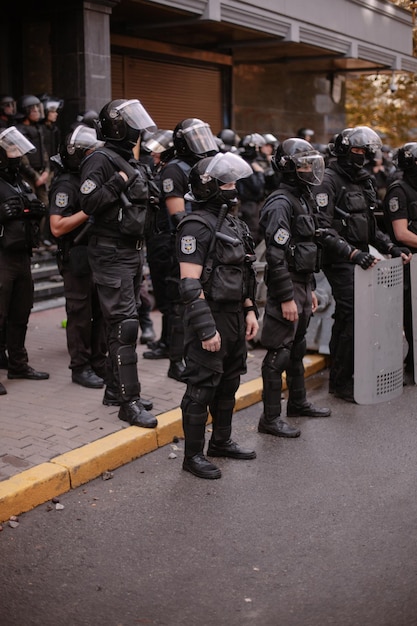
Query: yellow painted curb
[88, 462]
[169, 427]
[30, 488]
[35, 486]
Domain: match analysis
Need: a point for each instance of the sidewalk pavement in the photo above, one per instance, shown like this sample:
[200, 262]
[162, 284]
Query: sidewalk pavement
[56, 435]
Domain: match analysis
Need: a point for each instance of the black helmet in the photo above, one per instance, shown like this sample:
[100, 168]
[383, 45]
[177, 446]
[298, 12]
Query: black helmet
[303, 133]
[296, 158]
[230, 139]
[13, 145]
[357, 137]
[249, 145]
[209, 174]
[406, 157]
[73, 150]
[26, 103]
[193, 137]
[7, 106]
[122, 120]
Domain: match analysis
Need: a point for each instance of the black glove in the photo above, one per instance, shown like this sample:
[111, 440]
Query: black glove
[397, 251]
[364, 259]
[10, 209]
[35, 210]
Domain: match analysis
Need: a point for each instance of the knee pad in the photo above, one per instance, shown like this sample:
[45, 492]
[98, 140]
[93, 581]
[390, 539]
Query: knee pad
[277, 360]
[127, 331]
[195, 403]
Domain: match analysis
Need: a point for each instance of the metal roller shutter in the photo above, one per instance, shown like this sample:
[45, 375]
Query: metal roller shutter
[170, 92]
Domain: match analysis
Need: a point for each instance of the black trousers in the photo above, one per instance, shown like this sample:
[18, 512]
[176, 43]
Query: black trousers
[86, 333]
[16, 301]
[341, 277]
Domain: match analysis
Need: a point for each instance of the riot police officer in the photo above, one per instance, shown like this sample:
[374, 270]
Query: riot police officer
[115, 192]
[86, 338]
[400, 213]
[346, 200]
[20, 215]
[289, 227]
[193, 140]
[215, 252]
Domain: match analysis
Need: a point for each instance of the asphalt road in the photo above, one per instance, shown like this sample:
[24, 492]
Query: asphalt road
[317, 531]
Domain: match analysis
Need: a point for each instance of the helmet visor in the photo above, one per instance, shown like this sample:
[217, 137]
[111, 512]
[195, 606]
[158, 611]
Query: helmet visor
[53, 105]
[309, 167]
[159, 142]
[14, 143]
[84, 137]
[136, 116]
[200, 139]
[228, 168]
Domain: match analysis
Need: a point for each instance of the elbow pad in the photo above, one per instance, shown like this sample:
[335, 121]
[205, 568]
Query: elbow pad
[337, 245]
[200, 318]
[190, 289]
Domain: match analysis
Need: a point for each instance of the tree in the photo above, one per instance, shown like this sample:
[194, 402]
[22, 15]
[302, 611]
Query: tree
[385, 102]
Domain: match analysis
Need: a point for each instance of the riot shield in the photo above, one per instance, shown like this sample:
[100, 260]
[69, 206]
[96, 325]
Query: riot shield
[413, 281]
[378, 332]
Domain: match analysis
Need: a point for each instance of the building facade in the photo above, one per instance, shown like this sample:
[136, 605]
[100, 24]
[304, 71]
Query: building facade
[265, 66]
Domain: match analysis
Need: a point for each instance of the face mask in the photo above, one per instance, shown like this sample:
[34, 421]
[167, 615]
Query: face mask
[358, 160]
[229, 196]
[14, 164]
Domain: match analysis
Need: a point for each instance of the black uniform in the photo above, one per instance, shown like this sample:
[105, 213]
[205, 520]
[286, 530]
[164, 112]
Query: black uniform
[116, 260]
[346, 199]
[86, 337]
[163, 264]
[35, 163]
[18, 236]
[289, 227]
[227, 280]
[401, 203]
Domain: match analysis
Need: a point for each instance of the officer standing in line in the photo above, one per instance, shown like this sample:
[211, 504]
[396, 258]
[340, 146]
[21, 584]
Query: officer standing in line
[20, 215]
[400, 212]
[86, 336]
[215, 252]
[346, 200]
[193, 140]
[289, 227]
[115, 192]
[7, 111]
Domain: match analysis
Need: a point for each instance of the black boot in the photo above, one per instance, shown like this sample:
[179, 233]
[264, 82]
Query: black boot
[4, 361]
[229, 449]
[135, 414]
[176, 371]
[3, 390]
[146, 326]
[87, 378]
[307, 410]
[158, 350]
[277, 427]
[112, 398]
[201, 467]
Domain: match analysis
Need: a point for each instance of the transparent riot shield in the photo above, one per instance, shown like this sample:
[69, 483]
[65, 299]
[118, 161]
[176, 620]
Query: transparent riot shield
[378, 332]
[413, 280]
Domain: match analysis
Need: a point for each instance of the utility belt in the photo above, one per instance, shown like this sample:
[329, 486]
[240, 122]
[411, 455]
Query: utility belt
[113, 242]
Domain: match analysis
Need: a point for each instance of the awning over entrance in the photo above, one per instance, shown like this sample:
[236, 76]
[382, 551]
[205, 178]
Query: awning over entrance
[318, 35]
